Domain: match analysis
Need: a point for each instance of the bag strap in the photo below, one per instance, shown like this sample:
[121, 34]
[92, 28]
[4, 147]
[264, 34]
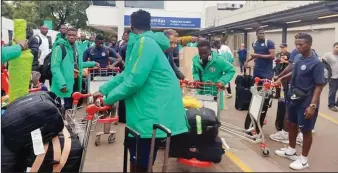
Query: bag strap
[56, 149]
[66, 151]
[39, 160]
[64, 51]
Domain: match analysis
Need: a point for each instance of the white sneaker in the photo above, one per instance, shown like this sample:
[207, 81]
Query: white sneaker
[298, 165]
[299, 140]
[280, 136]
[313, 131]
[284, 152]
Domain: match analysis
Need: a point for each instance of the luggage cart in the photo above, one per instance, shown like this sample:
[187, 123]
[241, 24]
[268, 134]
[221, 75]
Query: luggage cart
[255, 109]
[208, 94]
[92, 111]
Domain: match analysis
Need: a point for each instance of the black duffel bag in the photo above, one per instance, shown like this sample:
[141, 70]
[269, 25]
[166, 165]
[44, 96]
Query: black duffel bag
[38, 110]
[182, 148]
[207, 120]
[72, 155]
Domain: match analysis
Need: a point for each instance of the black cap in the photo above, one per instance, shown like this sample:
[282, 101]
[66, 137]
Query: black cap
[283, 45]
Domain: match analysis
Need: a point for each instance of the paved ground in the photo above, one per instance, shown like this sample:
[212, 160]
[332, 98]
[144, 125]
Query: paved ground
[242, 156]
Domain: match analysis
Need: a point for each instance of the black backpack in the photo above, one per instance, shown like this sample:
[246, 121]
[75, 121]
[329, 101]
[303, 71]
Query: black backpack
[327, 71]
[46, 69]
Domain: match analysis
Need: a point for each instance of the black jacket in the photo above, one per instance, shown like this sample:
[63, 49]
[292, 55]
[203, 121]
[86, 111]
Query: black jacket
[177, 71]
[33, 45]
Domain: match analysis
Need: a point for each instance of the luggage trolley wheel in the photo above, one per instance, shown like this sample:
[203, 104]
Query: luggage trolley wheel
[97, 140]
[111, 138]
[265, 150]
[194, 163]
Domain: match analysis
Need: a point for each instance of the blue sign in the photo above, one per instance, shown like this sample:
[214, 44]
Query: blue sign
[170, 22]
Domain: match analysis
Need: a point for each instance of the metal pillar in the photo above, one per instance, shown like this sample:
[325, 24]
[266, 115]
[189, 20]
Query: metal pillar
[245, 39]
[284, 34]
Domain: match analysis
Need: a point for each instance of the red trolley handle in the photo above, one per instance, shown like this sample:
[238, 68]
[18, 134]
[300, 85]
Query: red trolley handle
[115, 69]
[92, 109]
[77, 96]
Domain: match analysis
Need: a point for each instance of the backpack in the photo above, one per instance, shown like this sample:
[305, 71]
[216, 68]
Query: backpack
[327, 70]
[46, 68]
[49, 41]
[265, 43]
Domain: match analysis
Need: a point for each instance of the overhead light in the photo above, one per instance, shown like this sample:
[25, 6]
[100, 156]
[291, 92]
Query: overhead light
[329, 16]
[295, 21]
[264, 26]
[248, 28]
[224, 32]
[209, 34]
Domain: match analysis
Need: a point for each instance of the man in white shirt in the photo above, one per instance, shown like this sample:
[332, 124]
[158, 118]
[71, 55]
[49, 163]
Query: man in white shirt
[332, 59]
[224, 48]
[44, 48]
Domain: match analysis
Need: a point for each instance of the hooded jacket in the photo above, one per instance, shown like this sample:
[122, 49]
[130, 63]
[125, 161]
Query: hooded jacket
[217, 70]
[82, 46]
[149, 87]
[63, 70]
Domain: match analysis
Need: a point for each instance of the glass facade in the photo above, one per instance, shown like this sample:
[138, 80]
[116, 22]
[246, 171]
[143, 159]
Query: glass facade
[144, 4]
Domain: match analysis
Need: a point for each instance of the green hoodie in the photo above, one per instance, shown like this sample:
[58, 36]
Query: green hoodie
[59, 36]
[82, 47]
[217, 70]
[63, 70]
[149, 87]
[10, 52]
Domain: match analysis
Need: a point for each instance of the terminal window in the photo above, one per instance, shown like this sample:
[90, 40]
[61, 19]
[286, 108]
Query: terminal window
[104, 3]
[144, 4]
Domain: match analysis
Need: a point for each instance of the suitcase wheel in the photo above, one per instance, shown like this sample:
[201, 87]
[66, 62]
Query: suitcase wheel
[97, 140]
[266, 152]
[111, 138]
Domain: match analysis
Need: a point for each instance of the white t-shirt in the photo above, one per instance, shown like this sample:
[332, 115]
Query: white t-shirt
[332, 60]
[44, 47]
[225, 48]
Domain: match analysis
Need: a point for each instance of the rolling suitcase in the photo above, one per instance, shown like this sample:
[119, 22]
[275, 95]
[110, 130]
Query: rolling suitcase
[62, 149]
[243, 93]
[37, 110]
[9, 160]
[281, 112]
[204, 124]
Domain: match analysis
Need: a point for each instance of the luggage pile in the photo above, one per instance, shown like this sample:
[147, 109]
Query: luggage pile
[34, 138]
[202, 142]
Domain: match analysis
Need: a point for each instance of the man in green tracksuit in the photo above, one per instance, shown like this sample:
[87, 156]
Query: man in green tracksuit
[82, 45]
[67, 70]
[149, 87]
[11, 52]
[194, 42]
[209, 66]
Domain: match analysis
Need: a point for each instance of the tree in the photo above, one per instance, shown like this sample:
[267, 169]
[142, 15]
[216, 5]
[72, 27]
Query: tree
[6, 9]
[60, 12]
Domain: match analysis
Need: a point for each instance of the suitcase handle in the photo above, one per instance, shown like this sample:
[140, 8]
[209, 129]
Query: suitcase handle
[152, 147]
[137, 136]
[249, 70]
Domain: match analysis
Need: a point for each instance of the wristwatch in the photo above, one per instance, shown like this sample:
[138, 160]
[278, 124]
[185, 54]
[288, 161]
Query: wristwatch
[314, 106]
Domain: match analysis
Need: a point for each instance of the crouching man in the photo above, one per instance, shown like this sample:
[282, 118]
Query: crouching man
[306, 86]
[208, 66]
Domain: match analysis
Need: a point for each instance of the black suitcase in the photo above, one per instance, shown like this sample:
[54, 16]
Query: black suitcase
[211, 152]
[281, 112]
[26, 114]
[209, 123]
[245, 80]
[73, 161]
[243, 98]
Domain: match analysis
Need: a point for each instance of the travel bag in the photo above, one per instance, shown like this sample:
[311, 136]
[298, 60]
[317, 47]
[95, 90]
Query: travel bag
[62, 149]
[243, 93]
[38, 110]
[211, 152]
[281, 111]
[8, 158]
[204, 124]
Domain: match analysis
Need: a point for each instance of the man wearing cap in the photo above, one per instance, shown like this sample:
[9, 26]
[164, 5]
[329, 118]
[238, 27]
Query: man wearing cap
[282, 58]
